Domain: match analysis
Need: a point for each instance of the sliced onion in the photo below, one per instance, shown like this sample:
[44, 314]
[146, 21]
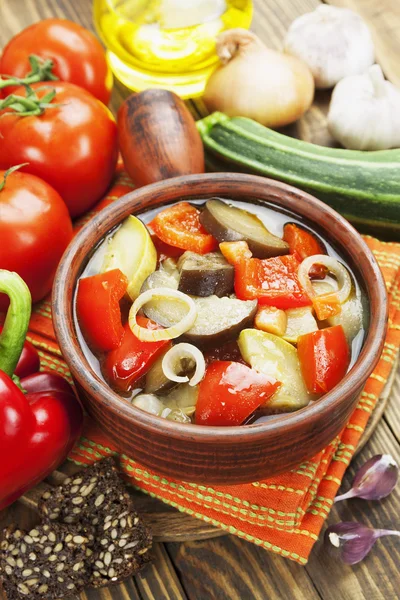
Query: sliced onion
[156, 335]
[335, 268]
[173, 357]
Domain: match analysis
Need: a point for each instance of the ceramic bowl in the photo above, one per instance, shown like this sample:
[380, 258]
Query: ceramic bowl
[218, 455]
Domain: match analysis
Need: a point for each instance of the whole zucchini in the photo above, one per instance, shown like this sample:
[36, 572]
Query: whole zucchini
[362, 186]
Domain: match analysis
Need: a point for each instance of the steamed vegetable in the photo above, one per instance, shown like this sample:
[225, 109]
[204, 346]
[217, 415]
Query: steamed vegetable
[324, 358]
[179, 225]
[218, 320]
[257, 82]
[271, 319]
[184, 354]
[299, 321]
[350, 317]
[272, 281]
[158, 137]
[180, 306]
[227, 223]
[272, 356]
[182, 398]
[302, 244]
[205, 275]
[230, 392]
[98, 309]
[124, 365]
[157, 382]
[331, 174]
[330, 304]
[234, 252]
[132, 251]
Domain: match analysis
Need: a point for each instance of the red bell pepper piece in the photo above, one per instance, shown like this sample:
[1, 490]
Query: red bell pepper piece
[123, 366]
[302, 244]
[39, 428]
[180, 226]
[271, 281]
[324, 358]
[230, 392]
[98, 309]
[165, 250]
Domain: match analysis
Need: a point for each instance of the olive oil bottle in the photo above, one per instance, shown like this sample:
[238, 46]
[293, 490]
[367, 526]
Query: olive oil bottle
[166, 43]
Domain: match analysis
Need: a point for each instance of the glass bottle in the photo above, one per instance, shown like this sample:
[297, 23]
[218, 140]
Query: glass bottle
[166, 43]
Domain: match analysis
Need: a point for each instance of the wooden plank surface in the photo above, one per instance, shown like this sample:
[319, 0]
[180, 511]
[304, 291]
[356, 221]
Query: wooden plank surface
[228, 567]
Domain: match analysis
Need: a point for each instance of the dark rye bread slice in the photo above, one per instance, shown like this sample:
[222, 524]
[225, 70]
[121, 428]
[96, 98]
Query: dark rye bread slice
[49, 561]
[122, 546]
[85, 497]
[121, 540]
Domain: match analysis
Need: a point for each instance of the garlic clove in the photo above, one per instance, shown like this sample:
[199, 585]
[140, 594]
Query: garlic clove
[334, 42]
[364, 112]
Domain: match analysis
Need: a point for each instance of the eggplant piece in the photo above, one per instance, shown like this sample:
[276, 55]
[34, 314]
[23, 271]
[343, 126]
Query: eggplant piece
[205, 274]
[219, 320]
[230, 224]
[158, 383]
[164, 277]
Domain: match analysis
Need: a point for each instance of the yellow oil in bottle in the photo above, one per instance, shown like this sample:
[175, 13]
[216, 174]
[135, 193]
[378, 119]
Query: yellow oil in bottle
[166, 43]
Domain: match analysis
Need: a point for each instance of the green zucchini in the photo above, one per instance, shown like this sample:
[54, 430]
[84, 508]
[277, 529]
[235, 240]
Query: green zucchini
[363, 186]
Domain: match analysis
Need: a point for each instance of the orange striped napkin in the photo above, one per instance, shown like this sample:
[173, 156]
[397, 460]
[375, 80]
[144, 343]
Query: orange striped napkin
[283, 514]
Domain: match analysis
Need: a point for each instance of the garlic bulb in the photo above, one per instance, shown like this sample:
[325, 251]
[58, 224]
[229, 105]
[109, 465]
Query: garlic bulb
[333, 42]
[253, 81]
[364, 113]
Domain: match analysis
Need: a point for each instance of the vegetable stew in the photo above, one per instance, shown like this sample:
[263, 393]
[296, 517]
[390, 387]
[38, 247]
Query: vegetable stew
[219, 312]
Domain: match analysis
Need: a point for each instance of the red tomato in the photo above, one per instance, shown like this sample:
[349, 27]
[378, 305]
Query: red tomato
[230, 392]
[180, 226]
[324, 358]
[77, 55]
[123, 366]
[98, 310]
[35, 229]
[72, 145]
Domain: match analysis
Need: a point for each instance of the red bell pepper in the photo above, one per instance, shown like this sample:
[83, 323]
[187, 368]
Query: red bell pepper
[271, 281]
[230, 392]
[123, 366]
[98, 309]
[302, 244]
[324, 358]
[180, 226]
[165, 250]
[37, 428]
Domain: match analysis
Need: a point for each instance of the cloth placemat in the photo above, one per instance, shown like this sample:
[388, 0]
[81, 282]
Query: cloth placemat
[283, 514]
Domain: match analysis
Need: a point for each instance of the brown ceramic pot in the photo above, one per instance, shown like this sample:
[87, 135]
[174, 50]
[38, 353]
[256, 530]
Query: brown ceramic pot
[218, 455]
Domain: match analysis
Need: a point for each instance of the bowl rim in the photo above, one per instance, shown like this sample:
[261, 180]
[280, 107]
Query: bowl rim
[94, 386]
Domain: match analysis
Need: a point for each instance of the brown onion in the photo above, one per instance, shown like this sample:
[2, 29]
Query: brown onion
[253, 81]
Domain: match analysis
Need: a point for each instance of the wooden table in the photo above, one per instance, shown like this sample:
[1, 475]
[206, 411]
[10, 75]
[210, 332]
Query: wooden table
[228, 567]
